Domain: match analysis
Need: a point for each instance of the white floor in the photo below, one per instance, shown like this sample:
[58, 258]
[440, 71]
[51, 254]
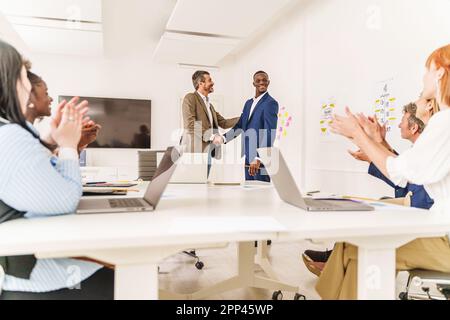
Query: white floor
[178, 273]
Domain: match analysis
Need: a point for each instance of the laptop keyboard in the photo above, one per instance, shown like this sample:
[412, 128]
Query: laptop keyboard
[125, 203]
[322, 203]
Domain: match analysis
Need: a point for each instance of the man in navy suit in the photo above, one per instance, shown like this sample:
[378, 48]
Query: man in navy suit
[258, 125]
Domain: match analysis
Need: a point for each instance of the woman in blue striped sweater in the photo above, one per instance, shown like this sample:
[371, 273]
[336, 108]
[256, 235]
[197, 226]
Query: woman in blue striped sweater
[33, 181]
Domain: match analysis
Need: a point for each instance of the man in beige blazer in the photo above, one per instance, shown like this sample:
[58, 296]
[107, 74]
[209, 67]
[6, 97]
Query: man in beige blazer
[201, 121]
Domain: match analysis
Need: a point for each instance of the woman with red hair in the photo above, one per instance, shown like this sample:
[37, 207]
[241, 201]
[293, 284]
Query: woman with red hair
[426, 163]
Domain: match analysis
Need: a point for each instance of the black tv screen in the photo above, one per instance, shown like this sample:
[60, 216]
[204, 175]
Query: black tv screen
[126, 123]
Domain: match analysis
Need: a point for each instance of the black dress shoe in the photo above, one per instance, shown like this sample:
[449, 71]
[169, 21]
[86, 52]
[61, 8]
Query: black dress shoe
[318, 256]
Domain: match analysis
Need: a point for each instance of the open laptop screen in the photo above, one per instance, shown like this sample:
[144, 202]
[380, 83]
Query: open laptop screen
[162, 176]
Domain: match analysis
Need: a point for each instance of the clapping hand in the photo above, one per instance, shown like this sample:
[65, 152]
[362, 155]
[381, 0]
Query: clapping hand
[66, 127]
[372, 127]
[89, 133]
[359, 155]
[348, 126]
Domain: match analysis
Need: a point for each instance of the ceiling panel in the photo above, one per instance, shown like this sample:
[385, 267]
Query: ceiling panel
[54, 24]
[234, 18]
[191, 49]
[62, 41]
[57, 26]
[80, 10]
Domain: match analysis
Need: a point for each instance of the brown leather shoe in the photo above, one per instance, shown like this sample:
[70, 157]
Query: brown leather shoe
[314, 267]
[318, 256]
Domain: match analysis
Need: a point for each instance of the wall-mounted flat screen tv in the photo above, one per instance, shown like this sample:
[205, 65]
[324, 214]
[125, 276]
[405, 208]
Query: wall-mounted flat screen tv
[126, 123]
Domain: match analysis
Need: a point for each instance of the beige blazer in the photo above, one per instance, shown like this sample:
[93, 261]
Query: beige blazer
[197, 127]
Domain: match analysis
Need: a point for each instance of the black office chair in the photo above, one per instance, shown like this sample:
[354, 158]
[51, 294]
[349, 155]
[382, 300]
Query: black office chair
[193, 254]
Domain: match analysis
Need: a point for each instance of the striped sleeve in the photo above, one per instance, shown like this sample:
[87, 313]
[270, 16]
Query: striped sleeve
[31, 183]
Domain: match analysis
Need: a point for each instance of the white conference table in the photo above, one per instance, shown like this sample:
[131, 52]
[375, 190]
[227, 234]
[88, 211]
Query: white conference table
[196, 216]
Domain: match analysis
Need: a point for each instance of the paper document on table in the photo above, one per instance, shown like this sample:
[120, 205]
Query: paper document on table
[200, 225]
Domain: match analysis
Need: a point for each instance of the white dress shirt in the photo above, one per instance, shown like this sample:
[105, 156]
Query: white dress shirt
[255, 103]
[208, 108]
[252, 109]
[210, 116]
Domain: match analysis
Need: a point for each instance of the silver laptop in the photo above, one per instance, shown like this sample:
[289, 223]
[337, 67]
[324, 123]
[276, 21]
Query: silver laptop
[151, 198]
[289, 192]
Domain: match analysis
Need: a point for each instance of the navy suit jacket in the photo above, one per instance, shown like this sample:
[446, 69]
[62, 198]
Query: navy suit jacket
[419, 198]
[259, 131]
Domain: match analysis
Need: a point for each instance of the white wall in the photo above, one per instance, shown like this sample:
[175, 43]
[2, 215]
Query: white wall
[341, 49]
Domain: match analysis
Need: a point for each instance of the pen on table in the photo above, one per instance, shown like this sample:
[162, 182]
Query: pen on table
[124, 190]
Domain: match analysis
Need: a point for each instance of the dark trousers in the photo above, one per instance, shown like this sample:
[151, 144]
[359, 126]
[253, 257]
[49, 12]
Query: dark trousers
[99, 286]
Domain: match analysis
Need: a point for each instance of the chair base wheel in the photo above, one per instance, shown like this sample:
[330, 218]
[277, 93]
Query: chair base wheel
[299, 297]
[199, 265]
[403, 296]
[277, 295]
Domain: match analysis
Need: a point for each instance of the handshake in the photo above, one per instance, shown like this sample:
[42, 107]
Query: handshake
[217, 140]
